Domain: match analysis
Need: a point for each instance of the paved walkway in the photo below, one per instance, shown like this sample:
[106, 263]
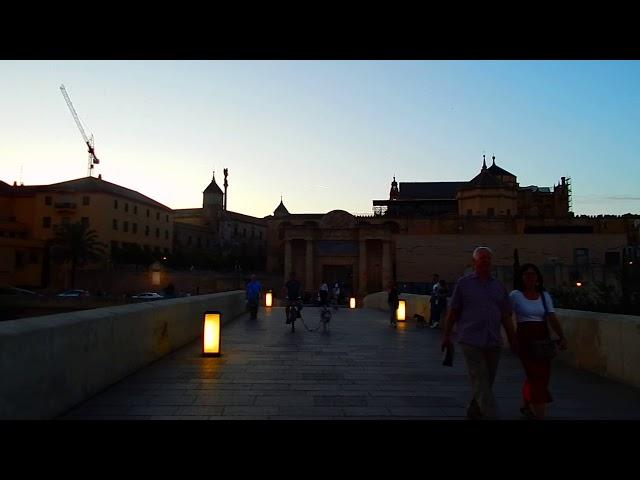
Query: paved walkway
[360, 369]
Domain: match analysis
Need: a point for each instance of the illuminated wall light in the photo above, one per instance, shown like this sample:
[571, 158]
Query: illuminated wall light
[578, 284]
[211, 334]
[402, 310]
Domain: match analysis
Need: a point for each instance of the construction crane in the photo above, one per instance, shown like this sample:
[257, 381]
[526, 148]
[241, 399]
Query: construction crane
[93, 160]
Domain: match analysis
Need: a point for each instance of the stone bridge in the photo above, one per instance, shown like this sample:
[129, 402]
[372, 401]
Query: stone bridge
[360, 369]
[143, 362]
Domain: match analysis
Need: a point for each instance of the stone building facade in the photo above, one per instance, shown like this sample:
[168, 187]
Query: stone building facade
[433, 227]
[29, 214]
[217, 230]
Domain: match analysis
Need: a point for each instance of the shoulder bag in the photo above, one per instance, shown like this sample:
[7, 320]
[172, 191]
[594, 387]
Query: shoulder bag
[544, 349]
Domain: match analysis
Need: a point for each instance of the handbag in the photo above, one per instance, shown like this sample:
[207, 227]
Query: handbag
[544, 349]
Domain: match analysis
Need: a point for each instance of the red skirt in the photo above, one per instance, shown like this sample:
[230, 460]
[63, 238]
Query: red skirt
[536, 386]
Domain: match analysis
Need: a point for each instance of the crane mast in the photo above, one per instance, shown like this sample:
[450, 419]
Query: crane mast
[93, 160]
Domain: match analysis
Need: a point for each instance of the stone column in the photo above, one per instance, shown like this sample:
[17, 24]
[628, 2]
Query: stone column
[386, 263]
[287, 259]
[308, 279]
[362, 268]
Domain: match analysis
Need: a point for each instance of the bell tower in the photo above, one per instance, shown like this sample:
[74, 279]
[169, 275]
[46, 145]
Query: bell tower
[394, 193]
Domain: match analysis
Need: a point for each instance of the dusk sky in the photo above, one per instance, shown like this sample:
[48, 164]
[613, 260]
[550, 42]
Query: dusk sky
[325, 134]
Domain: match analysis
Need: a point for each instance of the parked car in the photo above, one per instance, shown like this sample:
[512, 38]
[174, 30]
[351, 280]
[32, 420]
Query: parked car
[147, 296]
[74, 293]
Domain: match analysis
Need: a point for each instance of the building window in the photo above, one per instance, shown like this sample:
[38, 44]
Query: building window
[134, 227]
[244, 233]
[135, 209]
[115, 204]
[157, 215]
[147, 213]
[33, 257]
[260, 237]
[125, 226]
[469, 213]
[85, 221]
[207, 243]
[235, 230]
[47, 200]
[581, 256]
[491, 212]
[199, 242]
[508, 212]
[612, 259]
[166, 234]
[146, 231]
[19, 259]
[46, 222]
[115, 224]
[85, 200]
[253, 233]
[189, 240]
[157, 233]
[126, 207]
[166, 218]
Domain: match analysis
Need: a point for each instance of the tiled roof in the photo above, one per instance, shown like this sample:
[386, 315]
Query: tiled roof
[281, 210]
[429, 190]
[87, 185]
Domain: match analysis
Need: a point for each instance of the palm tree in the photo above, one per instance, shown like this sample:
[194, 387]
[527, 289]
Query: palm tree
[76, 243]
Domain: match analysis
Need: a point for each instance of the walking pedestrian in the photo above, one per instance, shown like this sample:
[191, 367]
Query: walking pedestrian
[479, 307]
[533, 309]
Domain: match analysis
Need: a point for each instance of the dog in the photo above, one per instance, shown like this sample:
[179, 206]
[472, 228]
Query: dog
[420, 320]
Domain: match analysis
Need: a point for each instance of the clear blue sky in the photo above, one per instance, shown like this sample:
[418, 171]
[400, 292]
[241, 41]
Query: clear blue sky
[325, 134]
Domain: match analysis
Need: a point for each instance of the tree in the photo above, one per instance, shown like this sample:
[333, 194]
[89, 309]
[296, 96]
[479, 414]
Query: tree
[77, 244]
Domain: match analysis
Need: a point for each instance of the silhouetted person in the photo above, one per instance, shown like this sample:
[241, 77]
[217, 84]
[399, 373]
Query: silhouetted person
[254, 289]
[393, 301]
[293, 291]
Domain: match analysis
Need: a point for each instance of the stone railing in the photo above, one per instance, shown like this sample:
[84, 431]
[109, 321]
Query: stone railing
[50, 364]
[603, 343]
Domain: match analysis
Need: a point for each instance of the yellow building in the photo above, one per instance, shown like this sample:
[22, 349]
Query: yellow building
[120, 217]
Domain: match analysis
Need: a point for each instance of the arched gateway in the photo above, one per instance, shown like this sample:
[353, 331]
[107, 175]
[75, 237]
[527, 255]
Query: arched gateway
[334, 247]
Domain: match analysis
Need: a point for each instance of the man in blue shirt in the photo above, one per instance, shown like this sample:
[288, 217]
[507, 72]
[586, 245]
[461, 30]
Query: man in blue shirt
[253, 296]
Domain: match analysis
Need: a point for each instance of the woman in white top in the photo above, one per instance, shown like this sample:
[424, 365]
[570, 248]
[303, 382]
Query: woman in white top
[529, 310]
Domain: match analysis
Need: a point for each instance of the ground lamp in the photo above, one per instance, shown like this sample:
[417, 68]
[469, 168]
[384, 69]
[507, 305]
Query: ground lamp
[211, 340]
[268, 298]
[352, 302]
[402, 310]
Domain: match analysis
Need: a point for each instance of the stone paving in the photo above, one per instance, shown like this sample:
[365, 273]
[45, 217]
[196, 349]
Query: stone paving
[360, 369]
